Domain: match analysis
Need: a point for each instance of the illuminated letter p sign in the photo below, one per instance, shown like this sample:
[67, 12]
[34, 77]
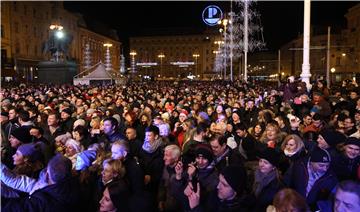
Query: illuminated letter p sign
[211, 15]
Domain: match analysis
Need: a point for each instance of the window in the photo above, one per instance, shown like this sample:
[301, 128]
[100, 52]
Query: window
[35, 50]
[17, 48]
[25, 10]
[34, 31]
[2, 31]
[16, 25]
[337, 61]
[15, 7]
[34, 13]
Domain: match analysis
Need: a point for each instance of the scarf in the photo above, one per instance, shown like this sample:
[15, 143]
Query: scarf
[262, 180]
[152, 147]
[289, 154]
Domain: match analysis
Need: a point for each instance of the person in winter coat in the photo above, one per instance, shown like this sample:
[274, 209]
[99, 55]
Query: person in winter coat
[58, 192]
[229, 196]
[167, 201]
[223, 154]
[312, 177]
[346, 164]
[199, 171]
[267, 180]
[134, 173]
[292, 149]
[151, 160]
[111, 132]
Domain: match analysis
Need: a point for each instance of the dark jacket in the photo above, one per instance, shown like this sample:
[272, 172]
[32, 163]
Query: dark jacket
[134, 175]
[208, 179]
[345, 168]
[266, 196]
[164, 194]
[298, 179]
[62, 196]
[232, 157]
[152, 164]
[214, 204]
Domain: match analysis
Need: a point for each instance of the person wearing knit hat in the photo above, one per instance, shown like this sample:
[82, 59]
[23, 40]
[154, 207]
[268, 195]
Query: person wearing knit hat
[73, 148]
[20, 136]
[27, 160]
[346, 163]
[183, 115]
[28, 151]
[79, 122]
[232, 182]
[204, 151]
[329, 139]
[313, 177]
[266, 181]
[270, 155]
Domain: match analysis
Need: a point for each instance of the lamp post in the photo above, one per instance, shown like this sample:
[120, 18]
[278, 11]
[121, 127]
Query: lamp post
[161, 56]
[58, 34]
[196, 62]
[133, 54]
[224, 22]
[107, 57]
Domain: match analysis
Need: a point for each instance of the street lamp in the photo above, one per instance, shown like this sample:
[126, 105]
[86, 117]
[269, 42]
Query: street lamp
[161, 56]
[196, 58]
[224, 22]
[57, 33]
[133, 54]
[333, 70]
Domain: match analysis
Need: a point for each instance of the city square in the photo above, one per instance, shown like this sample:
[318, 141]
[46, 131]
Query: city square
[180, 106]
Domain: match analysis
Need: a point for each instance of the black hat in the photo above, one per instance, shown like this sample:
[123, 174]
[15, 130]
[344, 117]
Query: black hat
[205, 151]
[4, 113]
[319, 155]
[332, 137]
[235, 176]
[352, 141]
[22, 134]
[270, 155]
[67, 110]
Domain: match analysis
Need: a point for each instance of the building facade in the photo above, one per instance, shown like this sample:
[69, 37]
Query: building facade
[25, 27]
[175, 56]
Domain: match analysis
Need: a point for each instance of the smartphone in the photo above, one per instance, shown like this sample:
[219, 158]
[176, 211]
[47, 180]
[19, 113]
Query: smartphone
[194, 182]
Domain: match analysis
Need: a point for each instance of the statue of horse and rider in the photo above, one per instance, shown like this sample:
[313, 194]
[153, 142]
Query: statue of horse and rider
[56, 46]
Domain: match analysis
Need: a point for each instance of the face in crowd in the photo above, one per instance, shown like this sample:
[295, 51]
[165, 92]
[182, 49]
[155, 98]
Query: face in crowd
[224, 190]
[108, 128]
[106, 203]
[265, 166]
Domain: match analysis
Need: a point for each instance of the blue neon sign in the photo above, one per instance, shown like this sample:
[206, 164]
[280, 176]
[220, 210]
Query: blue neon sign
[211, 15]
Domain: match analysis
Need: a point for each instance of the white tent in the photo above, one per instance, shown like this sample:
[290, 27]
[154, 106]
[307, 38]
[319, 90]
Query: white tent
[95, 74]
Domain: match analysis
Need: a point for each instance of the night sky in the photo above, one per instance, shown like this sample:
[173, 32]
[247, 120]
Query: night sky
[282, 21]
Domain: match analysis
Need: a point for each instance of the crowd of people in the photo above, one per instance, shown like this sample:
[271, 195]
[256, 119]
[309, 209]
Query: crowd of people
[181, 146]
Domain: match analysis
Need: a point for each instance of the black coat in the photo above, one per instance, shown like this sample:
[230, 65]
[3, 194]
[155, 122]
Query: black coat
[345, 168]
[298, 178]
[134, 175]
[231, 158]
[266, 196]
[152, 164]
[62, 196]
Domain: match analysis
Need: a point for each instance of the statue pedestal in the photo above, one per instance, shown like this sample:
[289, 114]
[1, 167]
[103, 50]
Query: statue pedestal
[56, 72]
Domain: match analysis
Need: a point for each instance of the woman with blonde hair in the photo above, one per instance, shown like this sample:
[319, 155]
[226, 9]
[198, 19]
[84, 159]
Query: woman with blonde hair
[293, 148]
[272, 136]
